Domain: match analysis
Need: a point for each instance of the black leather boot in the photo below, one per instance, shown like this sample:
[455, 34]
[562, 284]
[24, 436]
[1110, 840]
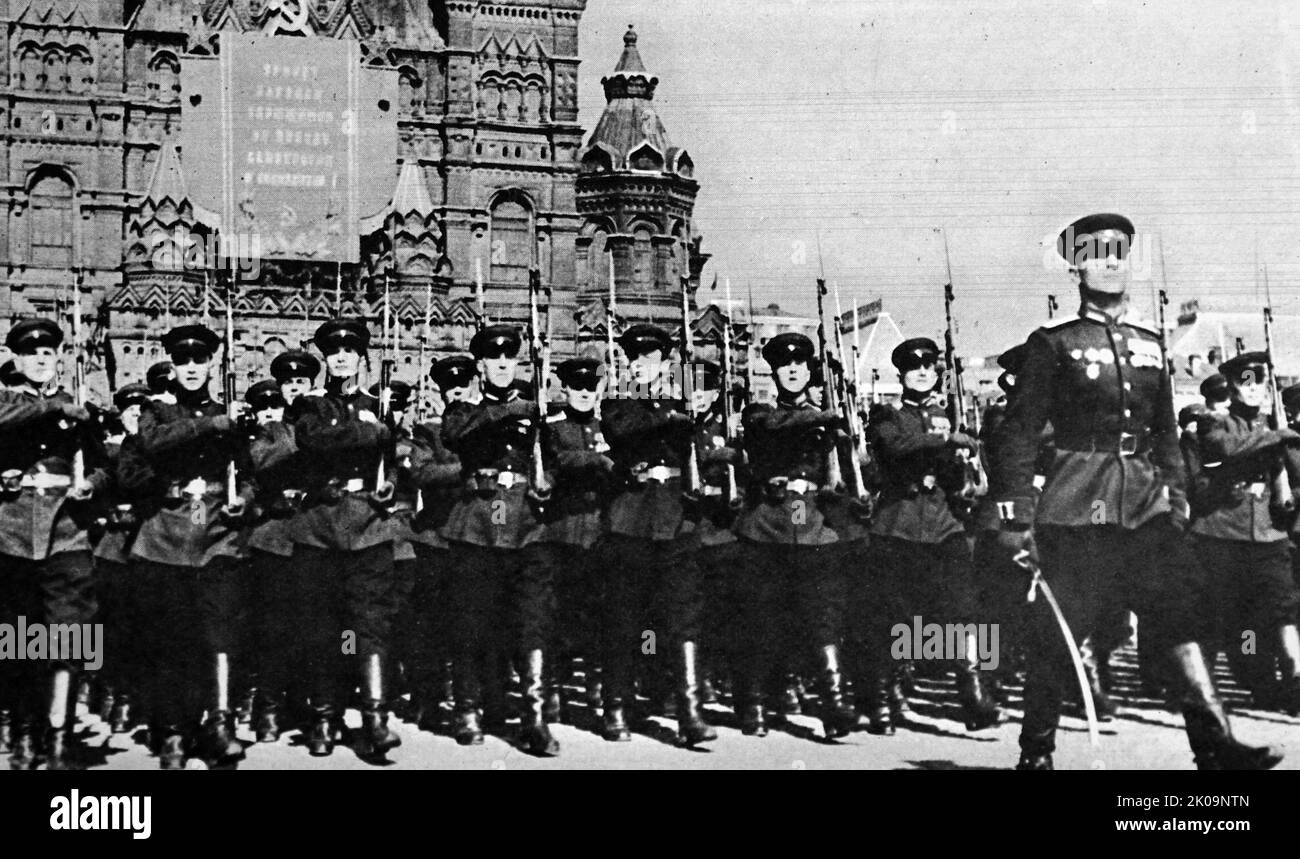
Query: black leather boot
[613, 723]
[838, 719]
[753, 715]
[1034, 761]
[468, 731]
[320, 735]
[217, 744]
[83, 690]
[6, 731]
[173, 748]
[691, 727]
[58, 755]
[22, 747]
[1289, 663]
[107, 700]
[120, 717]
[899, 684]
[534, 736]
[873, 702]
[978, 708]
[375, 738]
[1209, 732]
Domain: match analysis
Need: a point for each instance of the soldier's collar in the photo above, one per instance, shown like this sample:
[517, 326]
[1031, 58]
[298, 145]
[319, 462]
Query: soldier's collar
[200, 397]
[1096, 314]
[346, 387]
[500, 395]
[577, 416]
[793, 401]
[918, 398]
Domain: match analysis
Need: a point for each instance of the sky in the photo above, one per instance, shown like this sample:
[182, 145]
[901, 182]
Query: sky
[878, 128]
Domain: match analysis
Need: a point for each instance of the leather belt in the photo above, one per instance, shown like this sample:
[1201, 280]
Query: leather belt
[657, 474]
[1123, 443]
[45, 480]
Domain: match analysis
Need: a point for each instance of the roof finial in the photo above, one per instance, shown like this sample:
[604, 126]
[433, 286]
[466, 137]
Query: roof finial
[629, 38]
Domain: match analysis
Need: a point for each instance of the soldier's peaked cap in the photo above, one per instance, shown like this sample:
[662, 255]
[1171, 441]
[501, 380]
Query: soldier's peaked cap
[295, 364]
[454, 371]
[1077, 241]
[579, 369]
[786, 348]
[30, 334]
[1214, 387]
[189, 339]
[912, 353]
[335, 334]
[1291, 398]
[130, 395]
[264, 395]
[643, 337]
[493, 341]
[159, 375]
[1247, 364]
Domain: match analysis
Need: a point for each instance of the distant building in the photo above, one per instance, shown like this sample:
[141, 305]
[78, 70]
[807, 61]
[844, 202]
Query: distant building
[1204, 338]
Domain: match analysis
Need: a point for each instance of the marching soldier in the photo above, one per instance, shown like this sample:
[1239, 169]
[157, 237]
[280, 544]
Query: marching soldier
[433, 471]
[161, 381]
[653, 569]
[1111, 515]
[573, 522]
[343, 545]
[114, 578]
[44, 542]
[273, 453]
[490, 528]
[1240, 535]
[795, 588]
[188, 555]
[922, 559]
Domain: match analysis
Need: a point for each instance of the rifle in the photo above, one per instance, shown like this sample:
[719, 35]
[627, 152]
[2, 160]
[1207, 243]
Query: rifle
[541, 349]
[1160, 313]
[78, 381]
[692, 478]
[228, 388]
[974, 482]
[847, 395]
[610, 312]
[834, 475]
[732, 489]
[483, 320]
[1283, 497]
[422, 387]
[383, 491]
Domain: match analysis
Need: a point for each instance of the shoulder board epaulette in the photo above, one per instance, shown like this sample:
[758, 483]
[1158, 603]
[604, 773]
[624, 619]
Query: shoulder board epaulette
[1059, 321]
[1143, 325]
[556, 418]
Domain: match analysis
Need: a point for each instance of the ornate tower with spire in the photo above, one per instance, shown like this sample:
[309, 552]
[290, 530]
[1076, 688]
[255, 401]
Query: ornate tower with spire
[636, 195]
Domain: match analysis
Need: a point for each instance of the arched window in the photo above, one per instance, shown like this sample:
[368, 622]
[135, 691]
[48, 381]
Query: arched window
[164, 83]
[30, 74]
[512, 242]
[51, 223]
[81, 75]
[642, 258]
[410, 90]
[56, 70]
[598, 261]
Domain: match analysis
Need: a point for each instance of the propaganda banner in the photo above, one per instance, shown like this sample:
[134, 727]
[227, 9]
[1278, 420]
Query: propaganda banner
[276, 134]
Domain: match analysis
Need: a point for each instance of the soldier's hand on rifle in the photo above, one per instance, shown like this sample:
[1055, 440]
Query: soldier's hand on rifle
[368, 417]
[74, 412]
[962, 440]
[384, 492]
[81, 491]
[539, 494]
[862, 508]
[235, 512]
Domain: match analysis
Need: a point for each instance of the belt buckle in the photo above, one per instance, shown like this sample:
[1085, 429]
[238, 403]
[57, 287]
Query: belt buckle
[1128, 444]
[658, 473]
[356, 484]
[196, 488]
[506, 479]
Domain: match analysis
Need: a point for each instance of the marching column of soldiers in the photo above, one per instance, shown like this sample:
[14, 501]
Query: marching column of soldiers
[318, 546]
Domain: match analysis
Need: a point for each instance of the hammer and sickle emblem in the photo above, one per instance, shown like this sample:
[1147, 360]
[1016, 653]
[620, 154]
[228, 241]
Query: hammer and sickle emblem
[293, 16]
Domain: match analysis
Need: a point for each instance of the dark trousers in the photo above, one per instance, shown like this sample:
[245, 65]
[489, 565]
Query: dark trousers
[343, 616]
[1002, 590]
[188, 615]
[904, 580]
[1092, 570]
[572, 603]
[420, 632]
[498, 600]
[1249, 596]
[117, 591]
[789, 603]
[272, 601]
[651, 604]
